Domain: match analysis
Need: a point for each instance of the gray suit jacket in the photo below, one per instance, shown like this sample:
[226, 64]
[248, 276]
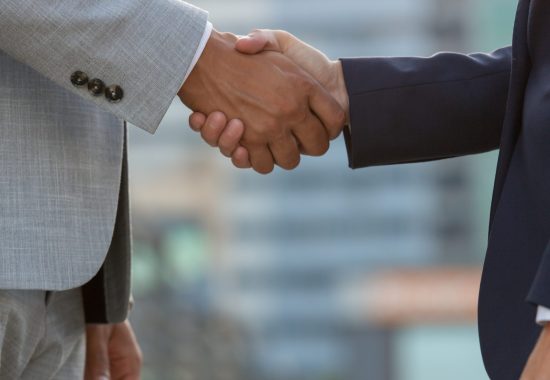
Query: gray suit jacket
[62, 148]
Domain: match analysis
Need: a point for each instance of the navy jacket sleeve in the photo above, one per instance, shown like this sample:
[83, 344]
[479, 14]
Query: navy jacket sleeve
[419, 109]
[539, 293]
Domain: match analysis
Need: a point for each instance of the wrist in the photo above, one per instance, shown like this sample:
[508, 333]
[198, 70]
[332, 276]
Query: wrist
[216, 44]
[544, 339]
[338, 88]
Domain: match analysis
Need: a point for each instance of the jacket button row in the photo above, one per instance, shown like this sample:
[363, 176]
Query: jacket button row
[96, 87]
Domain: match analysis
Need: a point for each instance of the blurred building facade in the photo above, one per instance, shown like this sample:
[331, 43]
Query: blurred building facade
[261, 278]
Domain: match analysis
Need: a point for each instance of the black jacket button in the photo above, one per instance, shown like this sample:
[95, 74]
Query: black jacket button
[114, 93]
[79, 79]
[96, 87]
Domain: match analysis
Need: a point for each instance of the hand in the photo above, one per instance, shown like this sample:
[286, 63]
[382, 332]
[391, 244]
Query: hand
[217, 132]
[112, 352]
[327, 72]
[538, 366]
[285, 110]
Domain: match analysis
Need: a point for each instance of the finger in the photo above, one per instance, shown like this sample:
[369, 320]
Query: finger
[231, 137]
[327, 110]
[196, 121]
[125, 354]
[240, 158]
[97, 353]
[286, 152]
[261, 159]
[306, 56]
[254, 43]
[213, 128]
[312, 136]
[264, 40]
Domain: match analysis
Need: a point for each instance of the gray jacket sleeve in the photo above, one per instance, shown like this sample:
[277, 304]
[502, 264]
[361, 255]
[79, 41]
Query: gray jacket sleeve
[143, 46]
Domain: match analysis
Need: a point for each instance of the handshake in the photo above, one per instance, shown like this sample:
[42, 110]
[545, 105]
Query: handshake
[265, 99]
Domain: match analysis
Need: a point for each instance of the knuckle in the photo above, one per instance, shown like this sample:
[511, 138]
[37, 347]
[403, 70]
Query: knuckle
[286, 107]
[304, 116]
[264, 166]
[299, 84]
[285, 165]
[264, 170]
[305, 84]
[320, 149]
[334, 134]
[340, 118]
[291, 165]
[272, 128]
[227, 144]
[209, 138]
[283, 33]
[240, 165]
[217, 119]
[334, 131]
[253, 139]
[226, 151]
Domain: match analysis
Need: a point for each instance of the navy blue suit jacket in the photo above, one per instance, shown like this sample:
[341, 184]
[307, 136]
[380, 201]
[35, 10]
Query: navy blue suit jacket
[419, 109]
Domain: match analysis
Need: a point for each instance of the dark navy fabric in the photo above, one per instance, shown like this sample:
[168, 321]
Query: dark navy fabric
[418, 109]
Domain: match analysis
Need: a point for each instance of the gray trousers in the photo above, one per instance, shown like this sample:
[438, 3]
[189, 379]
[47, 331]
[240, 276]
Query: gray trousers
[42, 335]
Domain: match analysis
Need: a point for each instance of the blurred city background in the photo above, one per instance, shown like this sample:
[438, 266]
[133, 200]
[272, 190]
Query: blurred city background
[322, 273]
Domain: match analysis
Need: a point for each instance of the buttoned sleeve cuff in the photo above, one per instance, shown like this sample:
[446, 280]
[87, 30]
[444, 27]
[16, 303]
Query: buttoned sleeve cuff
[127, 57]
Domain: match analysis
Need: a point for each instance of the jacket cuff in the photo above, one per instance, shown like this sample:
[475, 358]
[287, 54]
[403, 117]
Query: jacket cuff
[543, 315]
[139, 50]
[539, 293]
[162, 62]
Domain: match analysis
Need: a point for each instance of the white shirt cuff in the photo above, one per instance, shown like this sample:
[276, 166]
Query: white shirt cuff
[543, 315]
[200, 49]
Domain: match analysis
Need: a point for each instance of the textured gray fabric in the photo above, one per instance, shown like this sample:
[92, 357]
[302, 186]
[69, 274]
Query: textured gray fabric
[60, 165]
[107, 295]
[145, 46]
[60, 148]
[41, 337]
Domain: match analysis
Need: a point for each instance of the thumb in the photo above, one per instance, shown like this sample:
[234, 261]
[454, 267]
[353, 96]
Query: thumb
[258, 41]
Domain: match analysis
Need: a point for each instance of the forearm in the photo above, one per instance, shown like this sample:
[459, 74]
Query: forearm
[417, 109]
